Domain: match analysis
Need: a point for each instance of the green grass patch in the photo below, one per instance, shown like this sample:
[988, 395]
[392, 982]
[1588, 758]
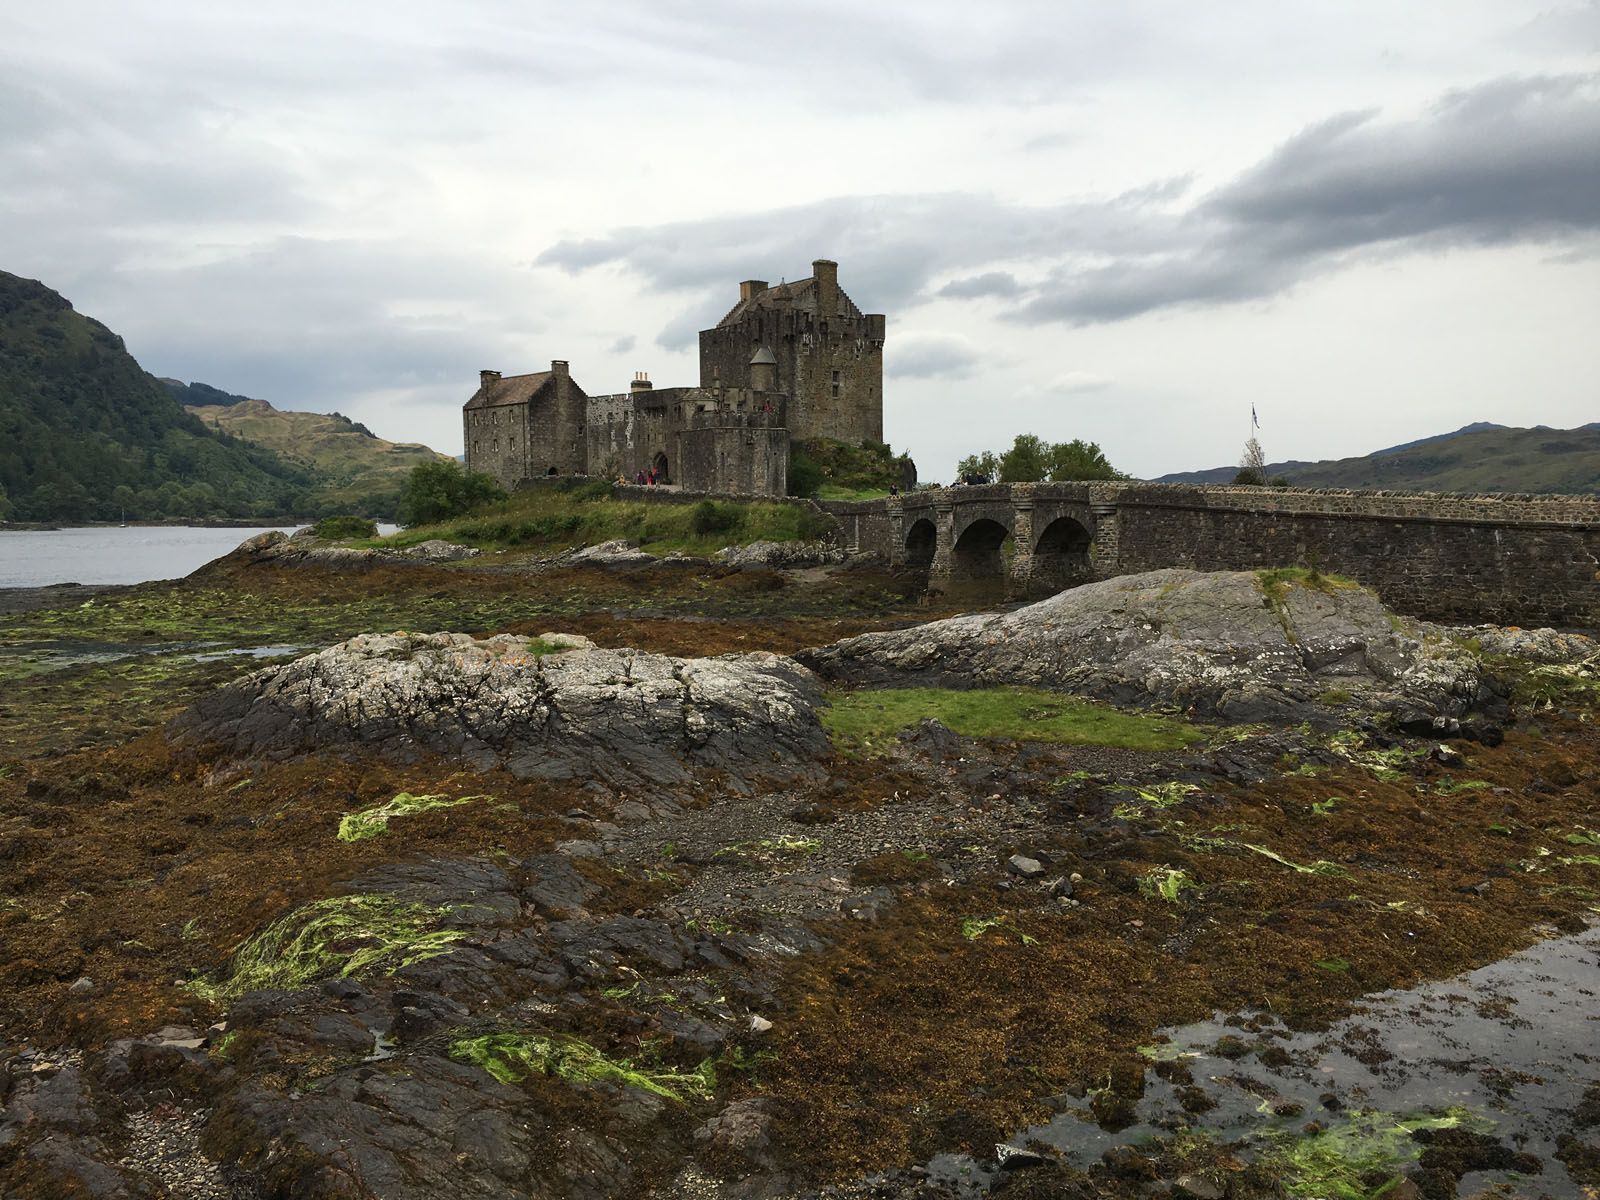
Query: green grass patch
[558, 516]
[1275, 582]
[513, 1057]
[342, 935]
[860, 721]
[370, 822]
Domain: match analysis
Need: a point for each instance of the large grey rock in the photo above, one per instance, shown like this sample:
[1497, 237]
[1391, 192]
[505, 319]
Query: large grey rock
[619, 552]
[1213, 642]
[779, 555]
[306, 549]
[616, 715]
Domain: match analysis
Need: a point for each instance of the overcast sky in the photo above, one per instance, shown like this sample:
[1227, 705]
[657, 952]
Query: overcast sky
[1125, 222]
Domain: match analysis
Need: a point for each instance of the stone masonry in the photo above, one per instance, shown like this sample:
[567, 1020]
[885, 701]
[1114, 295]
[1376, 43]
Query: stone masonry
[797, 361]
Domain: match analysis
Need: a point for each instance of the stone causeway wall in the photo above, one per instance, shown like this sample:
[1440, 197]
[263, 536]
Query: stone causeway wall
[1514, 559]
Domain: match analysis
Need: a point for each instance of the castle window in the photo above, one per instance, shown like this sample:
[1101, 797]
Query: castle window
[836, 385]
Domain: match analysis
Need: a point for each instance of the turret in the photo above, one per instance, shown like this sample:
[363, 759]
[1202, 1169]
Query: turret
[763, 371]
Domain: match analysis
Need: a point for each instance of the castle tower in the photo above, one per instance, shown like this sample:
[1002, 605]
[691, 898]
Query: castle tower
[827, 354]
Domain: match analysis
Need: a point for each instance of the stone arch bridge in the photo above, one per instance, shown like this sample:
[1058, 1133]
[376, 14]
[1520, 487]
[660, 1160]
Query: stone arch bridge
[1523, 559]
[1038, 538]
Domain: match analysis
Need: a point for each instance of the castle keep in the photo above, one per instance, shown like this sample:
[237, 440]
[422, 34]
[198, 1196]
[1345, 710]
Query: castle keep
[793, 362]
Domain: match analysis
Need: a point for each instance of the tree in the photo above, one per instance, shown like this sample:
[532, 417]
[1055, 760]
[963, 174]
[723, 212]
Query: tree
[1080, 460]
[1252, 466]
[1027, 461]
[1031, 459]
[5, 505]
[979, 467]
[439, 490]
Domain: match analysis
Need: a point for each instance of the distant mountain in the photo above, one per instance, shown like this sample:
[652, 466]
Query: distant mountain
[85, 433]
[1475, 427]
[354, 468]
[1482, 457]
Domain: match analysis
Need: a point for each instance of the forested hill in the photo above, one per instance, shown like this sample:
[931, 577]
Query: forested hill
[86, 433]
[1477, 458]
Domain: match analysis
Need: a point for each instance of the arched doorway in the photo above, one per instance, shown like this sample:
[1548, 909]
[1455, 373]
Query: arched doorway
[1061, 555]
[980, 551]
[921, 541]
[659, 465]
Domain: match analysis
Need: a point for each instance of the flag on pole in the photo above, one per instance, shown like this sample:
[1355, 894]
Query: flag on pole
[1255, 422]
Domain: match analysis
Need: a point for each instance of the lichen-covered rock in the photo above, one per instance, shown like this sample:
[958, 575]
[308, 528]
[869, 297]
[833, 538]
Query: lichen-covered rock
[619, 552]
[621, 716]
[439, 550]
[1531, 645]
[306, 549]
[1216, 643]
[780, 554]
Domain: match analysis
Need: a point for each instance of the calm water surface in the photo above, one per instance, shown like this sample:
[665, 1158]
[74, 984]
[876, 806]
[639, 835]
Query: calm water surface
[112, 554]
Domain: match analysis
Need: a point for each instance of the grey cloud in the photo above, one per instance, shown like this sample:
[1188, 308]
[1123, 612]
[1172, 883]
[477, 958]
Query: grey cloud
[991, 283]
[929, 355]
[623, 344]
[1513, 160]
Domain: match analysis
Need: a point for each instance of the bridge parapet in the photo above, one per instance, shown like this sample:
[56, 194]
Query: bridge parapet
[1511, 558]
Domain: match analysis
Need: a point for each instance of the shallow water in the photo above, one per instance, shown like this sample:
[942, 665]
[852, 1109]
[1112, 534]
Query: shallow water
[116, 554]
[1516, 1043]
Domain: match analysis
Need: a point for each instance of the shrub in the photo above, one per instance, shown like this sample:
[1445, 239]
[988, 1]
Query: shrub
[711, 517]
[341, 528]
[438, 490]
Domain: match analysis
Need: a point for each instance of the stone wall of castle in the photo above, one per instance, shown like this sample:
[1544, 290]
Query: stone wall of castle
[832, 369]
[745, 460]
[498, 443]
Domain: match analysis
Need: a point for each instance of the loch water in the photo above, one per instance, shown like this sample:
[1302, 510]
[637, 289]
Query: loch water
[111, 554]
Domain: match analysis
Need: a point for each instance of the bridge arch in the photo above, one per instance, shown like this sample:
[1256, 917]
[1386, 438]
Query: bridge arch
[980, 550]
[1061, 554]
[922, 540]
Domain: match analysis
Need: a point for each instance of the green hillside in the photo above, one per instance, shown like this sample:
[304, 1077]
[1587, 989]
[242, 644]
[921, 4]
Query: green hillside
[356, 471]
[1475, 459]
[86, 434]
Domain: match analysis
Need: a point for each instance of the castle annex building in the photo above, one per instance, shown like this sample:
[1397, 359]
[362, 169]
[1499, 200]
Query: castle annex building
[789, 363]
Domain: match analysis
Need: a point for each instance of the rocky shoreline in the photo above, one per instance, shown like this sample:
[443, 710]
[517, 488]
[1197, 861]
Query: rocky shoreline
[519, 913]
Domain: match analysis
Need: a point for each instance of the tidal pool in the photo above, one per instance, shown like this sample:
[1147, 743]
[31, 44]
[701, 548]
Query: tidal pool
[1508, 1049]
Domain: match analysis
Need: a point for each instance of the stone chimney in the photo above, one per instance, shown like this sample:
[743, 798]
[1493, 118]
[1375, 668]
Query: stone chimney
[485, 378]
[826, 272]
[641, 382]
[751, 288]
[558, 366]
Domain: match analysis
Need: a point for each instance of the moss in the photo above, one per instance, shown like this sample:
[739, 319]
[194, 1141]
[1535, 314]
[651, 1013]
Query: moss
[370, 822]
[513, 1057]
[342, 935]
[858, 720]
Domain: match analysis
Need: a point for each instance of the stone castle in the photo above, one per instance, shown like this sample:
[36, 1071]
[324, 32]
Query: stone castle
[789, 363]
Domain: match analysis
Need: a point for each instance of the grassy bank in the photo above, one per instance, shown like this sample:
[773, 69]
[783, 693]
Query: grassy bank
[570, 513]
